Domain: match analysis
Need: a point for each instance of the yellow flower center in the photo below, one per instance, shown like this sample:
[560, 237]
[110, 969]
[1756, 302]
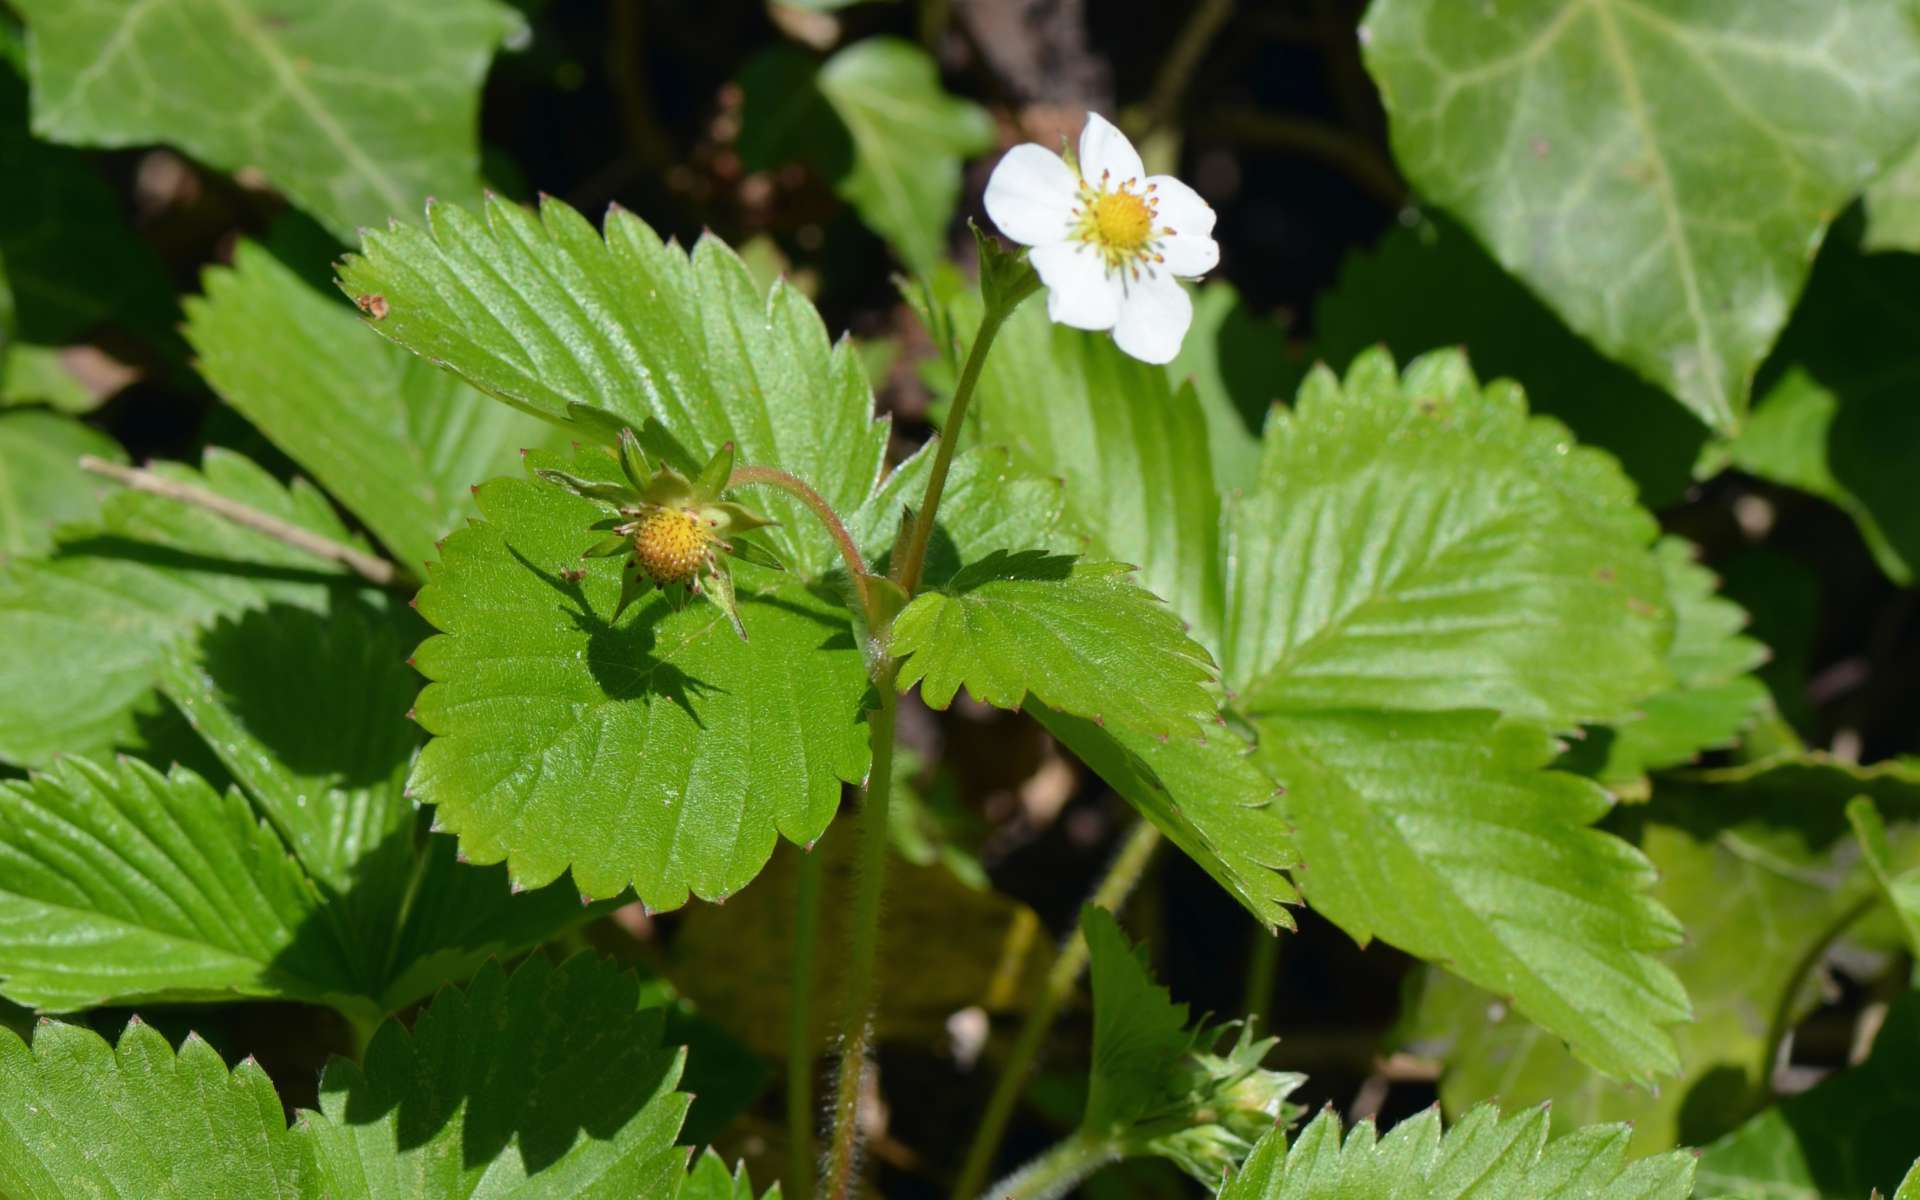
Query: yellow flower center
[1118, 223]
[1122, 221]
[672, 545]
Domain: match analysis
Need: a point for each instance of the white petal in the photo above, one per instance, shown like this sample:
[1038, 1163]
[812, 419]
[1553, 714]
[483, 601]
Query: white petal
[1031, 195]
[1079, 291]
[1104, 149]
[1189, 256]
[1154, 318]
[1180, 208]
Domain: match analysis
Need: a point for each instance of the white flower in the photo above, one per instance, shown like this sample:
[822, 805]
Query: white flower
[1109, 241]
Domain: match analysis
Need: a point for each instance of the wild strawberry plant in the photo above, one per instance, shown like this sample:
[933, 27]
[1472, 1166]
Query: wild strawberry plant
[538, 704]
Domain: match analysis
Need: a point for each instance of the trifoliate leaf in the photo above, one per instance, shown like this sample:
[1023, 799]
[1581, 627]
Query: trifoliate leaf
[1082, 638]
[81, 1118]
[735, 962]
[1494, 871]
[1570, 137]
[326, 763]
[1761, 869]
[1714, 698]
[1157, 1086]
[41, 483]
[659, 750]
[85, 632]
[1417, 543]
[707, 1179]
[397, 440]
[1483, 1157]
[539, 311]
[549, 1084]
[875, 122]
[1836, 1141]
[123, 884]
[1386, 297]
[356, 113]
[1835, 416]
[1901, 889]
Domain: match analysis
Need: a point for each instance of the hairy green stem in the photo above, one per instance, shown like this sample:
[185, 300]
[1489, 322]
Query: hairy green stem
[800, 1049]
[797, 487]
[907, 571]
[856, 1018]
[1055, 1172]
[1114, 888]
[1263, 963]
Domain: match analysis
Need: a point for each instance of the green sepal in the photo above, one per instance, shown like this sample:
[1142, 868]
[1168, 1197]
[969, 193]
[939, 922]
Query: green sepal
[615, 494]
[717, 584]
[633, 460]
[634, 583]
[597, 423]
[719, 469]
[1006, 277]
[729, 518]
[670, 489]
[755, 553]
[608, 547]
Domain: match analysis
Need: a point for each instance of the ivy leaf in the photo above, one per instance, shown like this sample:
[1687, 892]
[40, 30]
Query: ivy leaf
[204, 903]
[658, 750]
[1848, 1134]
[41, 483]
[1494, 871]
[1081, 638]
[81, 1118]
[873, 120]
[1836, 416]
[1714, 698]
[356, 114]
[1384, 297]
[1759, 866]
[540, 312]
[707, 1179]
[397, 440]
[1417, 543]
[1483, 1157]
[552, 1082]
[1672, 261]
[1156, 1085]
[85, 632]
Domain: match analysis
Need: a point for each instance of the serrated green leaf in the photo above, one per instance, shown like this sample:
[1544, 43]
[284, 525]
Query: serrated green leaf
[1443, 835]
[707, 1179]
[1910, 1186]
[659, 750]
[1430, 286]
[1835, 1141]
[540, 312]
[397, 440]
[875, 122]
[357, 112]
[1901, 890]
[1836, 416]
[1240, 366]
[582, 1108]
[1418, 543]
[1081, 638]
[1714, 698]
[1483, 1157]
[1761, 870]
[121, 883]
[1157, 1087]
[41, 483]
[1893, 207]
[1683, 264]
[81, 1118]
[84, 632]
